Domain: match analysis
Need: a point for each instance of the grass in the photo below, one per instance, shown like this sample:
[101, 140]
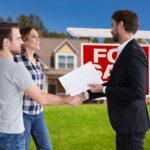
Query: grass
[83, 128]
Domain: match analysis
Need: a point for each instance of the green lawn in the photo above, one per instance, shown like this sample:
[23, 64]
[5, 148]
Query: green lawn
[84, 128]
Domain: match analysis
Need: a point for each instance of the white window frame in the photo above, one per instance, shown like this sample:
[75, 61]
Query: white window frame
[62, 54]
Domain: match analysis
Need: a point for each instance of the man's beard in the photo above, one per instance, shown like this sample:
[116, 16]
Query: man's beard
[14, 53]
[116, 38]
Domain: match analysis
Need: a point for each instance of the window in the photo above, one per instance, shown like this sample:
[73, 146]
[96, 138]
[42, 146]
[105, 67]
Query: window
[61, 61]
[66, 62]
[70, 62]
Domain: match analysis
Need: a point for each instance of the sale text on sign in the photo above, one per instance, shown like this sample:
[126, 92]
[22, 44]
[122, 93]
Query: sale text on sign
[103, 56]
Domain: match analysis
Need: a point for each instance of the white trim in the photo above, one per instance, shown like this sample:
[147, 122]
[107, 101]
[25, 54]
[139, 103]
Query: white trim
[62, 54]
[104, 33]
[69, 43]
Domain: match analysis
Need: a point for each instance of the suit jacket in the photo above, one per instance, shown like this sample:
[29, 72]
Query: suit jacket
[126, 90]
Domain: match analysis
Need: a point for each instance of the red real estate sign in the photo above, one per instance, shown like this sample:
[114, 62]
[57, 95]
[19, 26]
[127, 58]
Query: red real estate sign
[103, 56]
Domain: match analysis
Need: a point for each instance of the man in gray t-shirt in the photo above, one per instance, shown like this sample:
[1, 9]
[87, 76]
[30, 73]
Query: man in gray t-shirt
[14, 81]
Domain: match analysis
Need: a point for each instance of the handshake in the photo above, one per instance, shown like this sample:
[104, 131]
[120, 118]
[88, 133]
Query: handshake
[80, 98]
[75, 101]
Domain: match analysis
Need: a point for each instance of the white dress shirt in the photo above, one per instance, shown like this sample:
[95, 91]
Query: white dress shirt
[120, 48]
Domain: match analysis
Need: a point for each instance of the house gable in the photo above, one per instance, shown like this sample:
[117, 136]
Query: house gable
[66, 49]
[52, 46]
[66, 44]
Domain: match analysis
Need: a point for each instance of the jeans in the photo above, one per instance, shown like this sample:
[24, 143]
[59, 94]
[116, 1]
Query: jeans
[36, 126]
[12, 141]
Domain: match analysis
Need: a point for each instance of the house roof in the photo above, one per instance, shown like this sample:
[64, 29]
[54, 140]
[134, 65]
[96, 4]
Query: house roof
[66, 41]
[50, 45]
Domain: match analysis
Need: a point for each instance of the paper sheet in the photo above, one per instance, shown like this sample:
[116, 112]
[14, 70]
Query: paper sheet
[76, 82]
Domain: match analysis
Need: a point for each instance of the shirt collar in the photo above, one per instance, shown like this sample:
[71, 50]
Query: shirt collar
[35, 56]
[121, 47]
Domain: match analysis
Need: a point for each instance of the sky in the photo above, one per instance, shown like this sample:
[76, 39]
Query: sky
[57, 15]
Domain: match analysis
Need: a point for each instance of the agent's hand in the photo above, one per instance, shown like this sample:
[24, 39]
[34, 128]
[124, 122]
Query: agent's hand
[96, 88]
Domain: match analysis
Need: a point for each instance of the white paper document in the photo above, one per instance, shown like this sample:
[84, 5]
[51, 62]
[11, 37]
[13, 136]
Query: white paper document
[77, 81]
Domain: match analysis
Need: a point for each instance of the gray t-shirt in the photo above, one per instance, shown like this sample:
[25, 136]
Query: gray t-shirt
[14, 79]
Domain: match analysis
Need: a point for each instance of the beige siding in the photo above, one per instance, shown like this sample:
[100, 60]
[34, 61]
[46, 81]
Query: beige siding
[65, 49]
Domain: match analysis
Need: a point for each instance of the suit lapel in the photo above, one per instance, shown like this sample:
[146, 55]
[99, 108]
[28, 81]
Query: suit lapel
[120, 57]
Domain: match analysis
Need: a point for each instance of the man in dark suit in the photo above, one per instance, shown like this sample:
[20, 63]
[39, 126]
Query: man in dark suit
[126, 88]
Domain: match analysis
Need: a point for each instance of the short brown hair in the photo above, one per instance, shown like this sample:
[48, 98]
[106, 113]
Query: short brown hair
[129, 18]
[6, 31]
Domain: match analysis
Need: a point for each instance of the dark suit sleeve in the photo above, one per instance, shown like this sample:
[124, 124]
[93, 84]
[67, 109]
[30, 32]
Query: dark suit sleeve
[137, 77]
[96, 95]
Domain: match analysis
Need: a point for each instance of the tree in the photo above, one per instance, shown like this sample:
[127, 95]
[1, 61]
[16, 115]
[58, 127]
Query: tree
[108, 40]
[9, 19]
[33, 21]
[90, 39]
[2, 19]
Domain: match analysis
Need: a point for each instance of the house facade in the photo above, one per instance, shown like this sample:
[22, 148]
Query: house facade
[58, 57]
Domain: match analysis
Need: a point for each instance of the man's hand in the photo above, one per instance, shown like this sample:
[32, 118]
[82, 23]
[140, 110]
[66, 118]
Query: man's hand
[82, 96]
[76, 101]
[96, 88]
